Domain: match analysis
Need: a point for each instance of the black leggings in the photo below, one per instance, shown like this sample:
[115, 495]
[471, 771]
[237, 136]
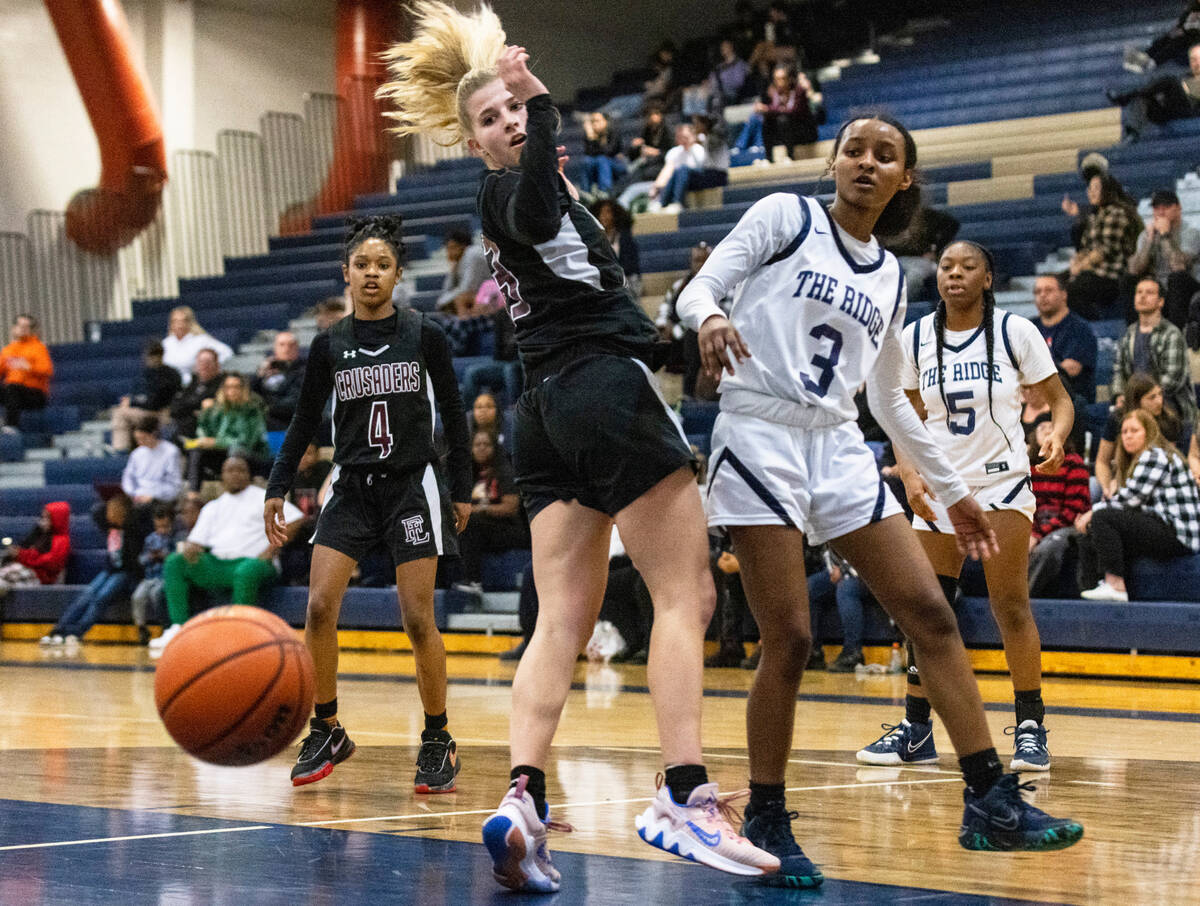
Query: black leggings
[1092, 296]
[1118, 535]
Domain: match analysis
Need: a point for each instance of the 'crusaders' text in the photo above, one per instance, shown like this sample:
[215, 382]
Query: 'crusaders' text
[377, 380]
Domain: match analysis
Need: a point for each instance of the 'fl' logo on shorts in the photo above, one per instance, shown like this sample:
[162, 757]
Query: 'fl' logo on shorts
[414, 530]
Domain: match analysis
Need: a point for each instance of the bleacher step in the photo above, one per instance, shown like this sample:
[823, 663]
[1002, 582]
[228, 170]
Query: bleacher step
[483, 622]
[501, 601]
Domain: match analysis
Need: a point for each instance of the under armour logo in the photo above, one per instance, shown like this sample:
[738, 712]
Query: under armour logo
[349, 353]
[414, 530]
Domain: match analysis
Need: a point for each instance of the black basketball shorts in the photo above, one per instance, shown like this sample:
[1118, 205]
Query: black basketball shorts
[410, 512]
[598, 432]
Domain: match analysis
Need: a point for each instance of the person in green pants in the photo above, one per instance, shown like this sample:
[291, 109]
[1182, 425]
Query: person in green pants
[226, 549]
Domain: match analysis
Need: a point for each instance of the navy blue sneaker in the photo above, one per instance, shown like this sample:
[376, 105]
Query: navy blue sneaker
[1003, 821]
[901, 743]
[1030, 752]
[771, 830]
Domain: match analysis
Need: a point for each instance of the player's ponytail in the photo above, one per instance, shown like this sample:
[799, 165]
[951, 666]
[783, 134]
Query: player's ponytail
[939, 333]
[387, 228]
[451, 56]
[903, 207]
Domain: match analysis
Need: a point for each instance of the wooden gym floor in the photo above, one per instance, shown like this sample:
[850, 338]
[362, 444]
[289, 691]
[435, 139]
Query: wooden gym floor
[98, 806]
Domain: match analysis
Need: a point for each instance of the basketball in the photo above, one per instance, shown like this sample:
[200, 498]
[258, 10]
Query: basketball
[235, 686]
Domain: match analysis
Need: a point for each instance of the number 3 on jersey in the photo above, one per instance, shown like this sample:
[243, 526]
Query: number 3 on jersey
[379, 429]
[825, 363]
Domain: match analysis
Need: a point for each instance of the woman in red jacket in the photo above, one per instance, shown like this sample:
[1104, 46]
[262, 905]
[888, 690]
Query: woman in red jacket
[1061, 497]
[42, 556]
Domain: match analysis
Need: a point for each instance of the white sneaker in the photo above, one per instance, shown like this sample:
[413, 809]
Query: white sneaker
[163, 640]
[50, 640]
[71, 641]
[516, 839]
[1104, 592]
[654, 206]
[674, 207]
[702, 831]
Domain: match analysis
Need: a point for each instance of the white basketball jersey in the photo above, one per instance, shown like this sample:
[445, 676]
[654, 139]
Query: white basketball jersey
[981, 450]
[813, 308]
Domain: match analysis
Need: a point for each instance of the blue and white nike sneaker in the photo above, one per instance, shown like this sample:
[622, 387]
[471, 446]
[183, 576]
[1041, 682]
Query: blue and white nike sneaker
[901, 743]
[1003, 821]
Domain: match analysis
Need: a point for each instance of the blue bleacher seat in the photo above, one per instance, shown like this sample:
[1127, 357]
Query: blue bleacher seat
[12, 446]
[83, 471]
[54, 419]
[502, 571]
[29, 501]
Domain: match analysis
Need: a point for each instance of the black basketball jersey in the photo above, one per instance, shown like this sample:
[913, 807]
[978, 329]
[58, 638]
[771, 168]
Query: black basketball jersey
[566, 293]
[383, 402]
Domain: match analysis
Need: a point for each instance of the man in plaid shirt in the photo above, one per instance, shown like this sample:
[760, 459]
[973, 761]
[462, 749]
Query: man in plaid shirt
[1156, 347]
[1154, 513]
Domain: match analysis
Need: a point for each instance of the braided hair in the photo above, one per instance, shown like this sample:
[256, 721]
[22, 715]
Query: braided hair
[384, 227]
[989, 333]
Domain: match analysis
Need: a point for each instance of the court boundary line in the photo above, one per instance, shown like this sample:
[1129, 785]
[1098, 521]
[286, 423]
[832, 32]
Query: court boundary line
[818, 697]
[191, 833]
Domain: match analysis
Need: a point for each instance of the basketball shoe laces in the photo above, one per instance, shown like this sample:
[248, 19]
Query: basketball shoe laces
[720, 808]
[313, 742]
[560, 826]
[1027, 742]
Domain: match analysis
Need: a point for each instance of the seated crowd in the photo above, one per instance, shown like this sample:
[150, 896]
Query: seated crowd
[1128, 488]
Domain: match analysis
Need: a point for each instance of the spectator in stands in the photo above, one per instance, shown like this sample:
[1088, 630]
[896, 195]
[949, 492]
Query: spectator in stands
[152, 393]
[468, 270]
[732, 608]
[485, 416]
[233, 425]
[1107, 235]
[1169, 251]
[837, 584]
[1155, 346]
[778, 41]
[25, 371]
[278, 380]
[646, 150]
[683, 357]
[226, 550]
[185, 338]
[618, 227]
[1061, 498]
[602, 160]
[660, 90]
[308, 495]
[1141, 392]
[1155, 511]
[1072, 342]
[787, 110]
[917, 249]
[329, 311]
[497, 522]
[41, 557]
[744, 29]
[729, 81]
[117, 578]
[1194, 456]
[1169, 47]
[197, 395]
[1160, 99]
[148, 597]
[699, 160]
[152, 472]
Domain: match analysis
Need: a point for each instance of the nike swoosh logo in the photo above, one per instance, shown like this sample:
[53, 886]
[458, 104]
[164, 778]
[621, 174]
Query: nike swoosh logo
[337, 748]
[912, 748]
[1009, 822]
[707, 839]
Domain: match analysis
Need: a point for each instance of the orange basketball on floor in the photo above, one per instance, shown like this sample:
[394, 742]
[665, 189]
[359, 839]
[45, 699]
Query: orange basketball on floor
[235, 686]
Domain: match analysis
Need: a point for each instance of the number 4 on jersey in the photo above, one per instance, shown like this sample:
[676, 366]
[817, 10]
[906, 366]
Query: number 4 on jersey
[379, 429]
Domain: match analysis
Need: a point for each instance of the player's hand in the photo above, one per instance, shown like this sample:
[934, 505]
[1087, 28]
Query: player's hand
[462, 513]
[273, 521]
[972, 531]
[720, 345]
[1052, 454]
[919, 494]
[728, 563]
[513, 69]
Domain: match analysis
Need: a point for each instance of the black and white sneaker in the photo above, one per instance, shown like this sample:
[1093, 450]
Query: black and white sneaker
[322, 748]
[437, 763]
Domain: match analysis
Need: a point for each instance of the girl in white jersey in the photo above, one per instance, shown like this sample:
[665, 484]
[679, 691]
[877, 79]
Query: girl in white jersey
[821, 307]
[964, 366]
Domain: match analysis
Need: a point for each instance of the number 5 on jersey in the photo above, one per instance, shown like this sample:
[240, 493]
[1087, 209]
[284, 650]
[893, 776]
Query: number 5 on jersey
[379, 429]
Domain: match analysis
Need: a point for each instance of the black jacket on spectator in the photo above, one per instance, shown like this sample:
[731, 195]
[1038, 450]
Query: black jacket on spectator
[280, 392]
[185, 408]
[155, 387]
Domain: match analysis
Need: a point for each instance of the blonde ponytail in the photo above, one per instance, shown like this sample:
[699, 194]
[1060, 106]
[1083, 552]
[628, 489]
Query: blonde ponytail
[451, 56]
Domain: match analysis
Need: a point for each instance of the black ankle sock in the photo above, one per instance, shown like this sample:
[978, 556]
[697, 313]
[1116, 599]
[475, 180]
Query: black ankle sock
[916, 709]
[914, 675]
[326, 711]
[683, 778]
[1030, 706]
[981, 770]
[764, 796]
[436, 721]
[535, 786]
